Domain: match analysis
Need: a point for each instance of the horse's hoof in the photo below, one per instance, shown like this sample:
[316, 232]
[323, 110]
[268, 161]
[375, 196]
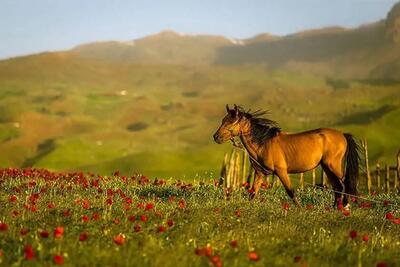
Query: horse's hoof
[347, 207]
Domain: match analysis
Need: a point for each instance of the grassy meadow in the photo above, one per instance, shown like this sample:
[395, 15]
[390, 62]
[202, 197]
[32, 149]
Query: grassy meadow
[76, 219]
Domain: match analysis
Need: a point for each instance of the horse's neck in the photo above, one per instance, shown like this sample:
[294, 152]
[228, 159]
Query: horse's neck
[251, 147]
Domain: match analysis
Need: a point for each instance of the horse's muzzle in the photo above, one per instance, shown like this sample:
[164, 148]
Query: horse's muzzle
[217, 138]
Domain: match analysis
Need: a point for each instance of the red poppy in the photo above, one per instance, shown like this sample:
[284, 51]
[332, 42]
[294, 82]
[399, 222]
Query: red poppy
[346, 212]
[3, 227]
[51, 205]
[1, 253]
[67, 213]
[297, 258]
[83, 236]
[170, 223]
[59, 232]
[137, 228]
[29, 252]
[119, 239]
[149, 206]
[238, 213]
[396, 221]
[161, 229]
[140, 205]
[86, 204]
[96, 216]
[109, 201]
[386, 203]
[85, 218]
[144, 218]
[128, 200]
[381, 264]
[182, 204]
[132, 218]
[44, 234]
[234, 243]
[13, 198]
[389, 216]
[216, 261]
[253, 256]
[285, 206]
[117, 221]
[309, 206]
[24, 231]
[353, 234]
[208, 250]
[365, 238]
[58, 259]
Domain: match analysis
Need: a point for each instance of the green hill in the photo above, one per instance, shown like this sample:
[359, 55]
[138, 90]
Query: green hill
[152, 105]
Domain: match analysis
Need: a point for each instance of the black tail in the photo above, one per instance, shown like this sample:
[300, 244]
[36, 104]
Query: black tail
[352, 165]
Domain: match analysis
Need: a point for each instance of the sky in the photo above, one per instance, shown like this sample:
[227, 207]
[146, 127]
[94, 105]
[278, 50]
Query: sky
[32, 26]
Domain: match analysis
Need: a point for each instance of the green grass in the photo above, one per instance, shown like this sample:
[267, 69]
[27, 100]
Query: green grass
[316, 236]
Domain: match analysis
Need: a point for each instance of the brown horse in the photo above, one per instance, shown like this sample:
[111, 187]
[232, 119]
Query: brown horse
[273, 151]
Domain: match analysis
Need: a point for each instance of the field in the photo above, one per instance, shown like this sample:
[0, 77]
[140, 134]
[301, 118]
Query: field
[82, 219]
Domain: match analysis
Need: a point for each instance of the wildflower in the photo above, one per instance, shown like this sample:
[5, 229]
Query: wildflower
[86, 204]
[29, 252]
[237, 213]
[59, 232]
[149, 206]
[208, 251]
[297, 258]
[365, 238]
[161, 229]
[346, 212]
[44, 234]
[144, 218]
[353, 234]
[83, 236]
[58, 259]
[85, 218]
[309, 206]
[234, 243]
[51, 205]
[140, 205]
[396, 221]
[12, 198]
[109, 201]
[119, 239]
[96, 216]
[253, 256]
[3, 227]
[117, 221]
[216, 261]
[66, 213]
[285, 206]
[182, 204]
[132, 218]
[137, 228]
[24, 231]
[389, 216]
[381, 264]
[170, 223]
[386, 203]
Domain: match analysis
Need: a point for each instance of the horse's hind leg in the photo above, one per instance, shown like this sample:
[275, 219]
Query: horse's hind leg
[336, 183]
[258, 179]
[284, 177]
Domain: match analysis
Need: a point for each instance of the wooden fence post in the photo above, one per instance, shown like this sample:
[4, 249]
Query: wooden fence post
[378, 176]
[323, 178]
[222, 176]
[313, 177]
[387, 178]
[368, 174]
[244, 166]
[302, 180]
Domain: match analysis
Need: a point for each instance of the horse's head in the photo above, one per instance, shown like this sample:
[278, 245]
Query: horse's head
[233, 124]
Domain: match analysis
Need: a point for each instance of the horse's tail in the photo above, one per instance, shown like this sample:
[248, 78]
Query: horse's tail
[352, 165]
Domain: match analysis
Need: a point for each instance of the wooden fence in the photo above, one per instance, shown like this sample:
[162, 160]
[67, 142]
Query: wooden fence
[236, 171]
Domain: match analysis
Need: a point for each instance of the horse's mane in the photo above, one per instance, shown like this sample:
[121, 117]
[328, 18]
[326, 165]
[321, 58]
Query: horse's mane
[261, 128]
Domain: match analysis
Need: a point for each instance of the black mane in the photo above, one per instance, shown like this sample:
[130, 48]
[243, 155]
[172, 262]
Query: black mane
[262, 129]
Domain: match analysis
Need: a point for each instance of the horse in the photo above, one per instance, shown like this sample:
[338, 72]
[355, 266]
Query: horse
[273, 151]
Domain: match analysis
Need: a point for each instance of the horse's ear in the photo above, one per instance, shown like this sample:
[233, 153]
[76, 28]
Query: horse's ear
[236, 109]
[227, 108]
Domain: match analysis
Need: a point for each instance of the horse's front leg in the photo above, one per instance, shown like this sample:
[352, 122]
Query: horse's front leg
[284, 177]
[258, 180]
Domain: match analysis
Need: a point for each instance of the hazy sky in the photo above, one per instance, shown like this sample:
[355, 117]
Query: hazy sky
[30, 26]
